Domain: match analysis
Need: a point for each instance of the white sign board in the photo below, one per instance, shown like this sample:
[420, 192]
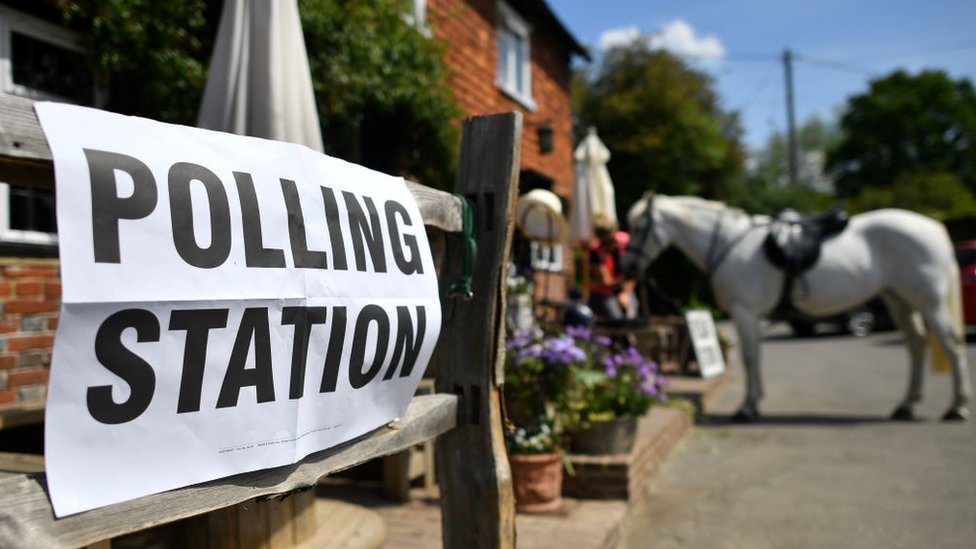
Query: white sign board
[229, 304]
[704, 339]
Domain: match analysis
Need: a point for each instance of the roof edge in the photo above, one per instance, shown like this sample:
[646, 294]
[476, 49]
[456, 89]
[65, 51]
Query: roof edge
[539, 9]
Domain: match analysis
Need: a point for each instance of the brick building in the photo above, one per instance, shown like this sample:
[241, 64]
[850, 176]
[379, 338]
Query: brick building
[504, 55]
[516, 55]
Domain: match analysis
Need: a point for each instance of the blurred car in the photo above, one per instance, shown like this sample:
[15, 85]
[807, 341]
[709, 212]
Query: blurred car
[966, 257]
[860, 321]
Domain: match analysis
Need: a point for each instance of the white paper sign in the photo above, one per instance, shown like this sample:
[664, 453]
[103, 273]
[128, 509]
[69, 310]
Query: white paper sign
[229, 304]
[704, 339]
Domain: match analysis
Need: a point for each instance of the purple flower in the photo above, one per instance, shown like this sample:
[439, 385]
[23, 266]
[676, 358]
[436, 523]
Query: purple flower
[579, 332]
[650, 388]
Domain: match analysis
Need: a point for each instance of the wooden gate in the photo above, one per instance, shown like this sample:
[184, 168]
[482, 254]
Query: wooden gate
[477, 502]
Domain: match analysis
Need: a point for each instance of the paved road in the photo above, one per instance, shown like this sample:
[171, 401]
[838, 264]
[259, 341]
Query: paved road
[825, 468]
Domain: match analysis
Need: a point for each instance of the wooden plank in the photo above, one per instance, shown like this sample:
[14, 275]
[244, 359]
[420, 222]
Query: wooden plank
[280, 523]
[25, 511]
[396, 476]
[18, 415]
[477, 503]
[253, 525]
[222, 529]
[21, 463]
[306, 521]
[25, 160]
[438, 208]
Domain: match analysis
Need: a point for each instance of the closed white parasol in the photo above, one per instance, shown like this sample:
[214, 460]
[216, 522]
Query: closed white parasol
[259, 82]
[593, 190]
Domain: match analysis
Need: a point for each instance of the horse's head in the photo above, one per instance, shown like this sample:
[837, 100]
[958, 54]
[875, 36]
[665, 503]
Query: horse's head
[647, 237]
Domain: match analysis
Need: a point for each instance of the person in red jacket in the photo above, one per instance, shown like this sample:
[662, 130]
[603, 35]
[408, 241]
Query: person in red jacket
[612, 295]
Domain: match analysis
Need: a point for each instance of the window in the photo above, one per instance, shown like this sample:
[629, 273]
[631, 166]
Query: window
[546, 257]
[42, 61]
[416, 17]
[27, 216]
[514, 56]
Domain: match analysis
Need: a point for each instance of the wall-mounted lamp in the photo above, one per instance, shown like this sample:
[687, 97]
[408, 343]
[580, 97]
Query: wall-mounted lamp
[545, 137]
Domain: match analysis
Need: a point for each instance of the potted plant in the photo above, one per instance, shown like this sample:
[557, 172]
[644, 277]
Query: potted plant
[537, 467]
[607, 395]
[537, 373]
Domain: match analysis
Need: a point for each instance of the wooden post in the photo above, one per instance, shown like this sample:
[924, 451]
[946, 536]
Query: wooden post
[477, 502]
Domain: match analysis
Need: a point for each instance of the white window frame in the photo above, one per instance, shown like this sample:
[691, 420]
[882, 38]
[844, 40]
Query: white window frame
[38, 29]
[547, 257]
[417, 17]
[15, 235]
[511, 23]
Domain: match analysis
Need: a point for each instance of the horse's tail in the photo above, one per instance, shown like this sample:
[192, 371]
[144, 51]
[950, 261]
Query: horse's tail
[940, 360]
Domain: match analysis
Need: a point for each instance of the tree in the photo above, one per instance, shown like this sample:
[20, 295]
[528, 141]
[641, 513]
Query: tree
[661, 121]
[380, 85]
[938, 195]
[149, 58]
[381, 88]
[767, 188]
[814, 137]
[907, 124]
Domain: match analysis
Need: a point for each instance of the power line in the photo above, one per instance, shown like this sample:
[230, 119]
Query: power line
[841, 63]
[831, 64]
[929, 50]
[760, 88]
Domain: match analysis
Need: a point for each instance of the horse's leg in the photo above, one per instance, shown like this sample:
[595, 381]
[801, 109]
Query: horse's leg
[906, 321]
[940, 324]
[747, 326]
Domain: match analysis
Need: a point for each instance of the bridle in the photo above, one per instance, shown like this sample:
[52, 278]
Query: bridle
[637, 246]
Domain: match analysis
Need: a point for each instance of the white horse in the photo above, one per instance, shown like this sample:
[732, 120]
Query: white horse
[905, 257]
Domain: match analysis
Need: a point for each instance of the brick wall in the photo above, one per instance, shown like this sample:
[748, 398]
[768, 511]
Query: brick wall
[468, 27]
[30, 296]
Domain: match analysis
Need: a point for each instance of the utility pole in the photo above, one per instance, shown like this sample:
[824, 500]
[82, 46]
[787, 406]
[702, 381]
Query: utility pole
[790, 122]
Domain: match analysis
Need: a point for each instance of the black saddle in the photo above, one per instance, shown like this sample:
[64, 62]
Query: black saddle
[793, 245]
[794, 240]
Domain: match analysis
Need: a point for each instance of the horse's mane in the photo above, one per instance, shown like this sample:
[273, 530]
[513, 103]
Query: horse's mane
[680, 205]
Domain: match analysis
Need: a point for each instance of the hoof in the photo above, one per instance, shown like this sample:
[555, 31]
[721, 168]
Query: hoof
[903, 413]
[957, 413]
[744, 416]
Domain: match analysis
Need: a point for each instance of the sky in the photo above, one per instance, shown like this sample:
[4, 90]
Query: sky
[838, 45]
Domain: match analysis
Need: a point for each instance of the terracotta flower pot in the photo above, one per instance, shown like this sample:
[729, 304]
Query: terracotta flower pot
[606, 437]
[538, 482]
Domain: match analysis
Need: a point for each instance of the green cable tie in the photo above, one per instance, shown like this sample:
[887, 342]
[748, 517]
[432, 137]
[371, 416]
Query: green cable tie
[462, 286]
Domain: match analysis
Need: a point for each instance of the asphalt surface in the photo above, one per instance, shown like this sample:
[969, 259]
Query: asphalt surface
[824, 468]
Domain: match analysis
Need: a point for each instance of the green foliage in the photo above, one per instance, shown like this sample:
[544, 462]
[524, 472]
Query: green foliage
[572, 379]
[150, 57]
[537, 438]
[616, 384]
[661, 121]
[759, 195]
[937, 195]
[907, 124]
[814, 137]
[381, 89]
[380, 85]
[767, 188]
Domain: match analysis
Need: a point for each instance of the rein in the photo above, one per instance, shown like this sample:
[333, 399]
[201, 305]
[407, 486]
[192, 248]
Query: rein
[636, 246]
[715, 256]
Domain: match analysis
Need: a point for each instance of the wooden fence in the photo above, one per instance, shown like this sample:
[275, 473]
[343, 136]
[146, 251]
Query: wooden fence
[477, 502]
